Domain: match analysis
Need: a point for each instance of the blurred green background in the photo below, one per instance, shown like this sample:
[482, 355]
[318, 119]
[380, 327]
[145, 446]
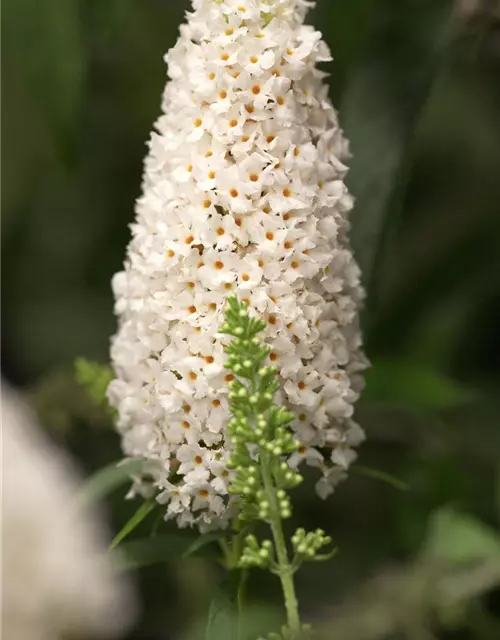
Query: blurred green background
[417, 83]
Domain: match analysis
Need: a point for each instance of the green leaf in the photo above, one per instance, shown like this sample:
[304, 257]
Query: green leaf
[377, 474]
[412, 385]
[379, 111]
[95, 377]
[158, 549]
[256, 621]
[106, 480]
[460, 538]
[202, 542]
[497, 492]
[141, 513]
[223, 611]
[323, 557]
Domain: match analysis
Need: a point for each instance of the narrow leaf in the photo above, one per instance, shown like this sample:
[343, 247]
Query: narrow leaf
[322, 557]
[376, 474]
[106, 480]
[203, 541]
[223, 612]
[158, 549]
[379, 111]
[135, 521]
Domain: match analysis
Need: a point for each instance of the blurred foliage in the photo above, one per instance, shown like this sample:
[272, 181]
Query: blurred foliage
[93, 377]
[416, 82]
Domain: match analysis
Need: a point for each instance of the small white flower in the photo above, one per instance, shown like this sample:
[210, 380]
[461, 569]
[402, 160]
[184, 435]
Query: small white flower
[178, 500]
[310, 455]
[243, 193]
[326, 485]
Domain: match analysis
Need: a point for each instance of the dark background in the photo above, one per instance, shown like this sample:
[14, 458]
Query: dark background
[417, 83]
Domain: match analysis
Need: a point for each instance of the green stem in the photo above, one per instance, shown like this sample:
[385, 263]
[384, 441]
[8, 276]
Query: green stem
[241, 602]
[285, 570]
[232, 553]
[227, 553]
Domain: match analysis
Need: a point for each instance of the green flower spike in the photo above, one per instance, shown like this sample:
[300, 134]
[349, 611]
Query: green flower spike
[261, 439]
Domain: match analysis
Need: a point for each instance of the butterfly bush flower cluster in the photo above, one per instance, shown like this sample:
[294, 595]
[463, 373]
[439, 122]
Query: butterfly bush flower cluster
[243, 193]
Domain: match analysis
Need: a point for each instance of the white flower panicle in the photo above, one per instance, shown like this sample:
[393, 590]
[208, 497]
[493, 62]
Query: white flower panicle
[243, 193]
[57, 577]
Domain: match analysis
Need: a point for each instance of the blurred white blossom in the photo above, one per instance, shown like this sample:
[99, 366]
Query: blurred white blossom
[243, 193]
[57, 580]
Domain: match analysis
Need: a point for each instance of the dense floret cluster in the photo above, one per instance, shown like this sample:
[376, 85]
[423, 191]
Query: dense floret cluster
[243, 193]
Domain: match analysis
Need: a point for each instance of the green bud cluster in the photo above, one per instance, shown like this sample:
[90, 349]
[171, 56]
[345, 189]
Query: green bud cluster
[255, 555]
[261, 439]
[257, 424]
[307, 545]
